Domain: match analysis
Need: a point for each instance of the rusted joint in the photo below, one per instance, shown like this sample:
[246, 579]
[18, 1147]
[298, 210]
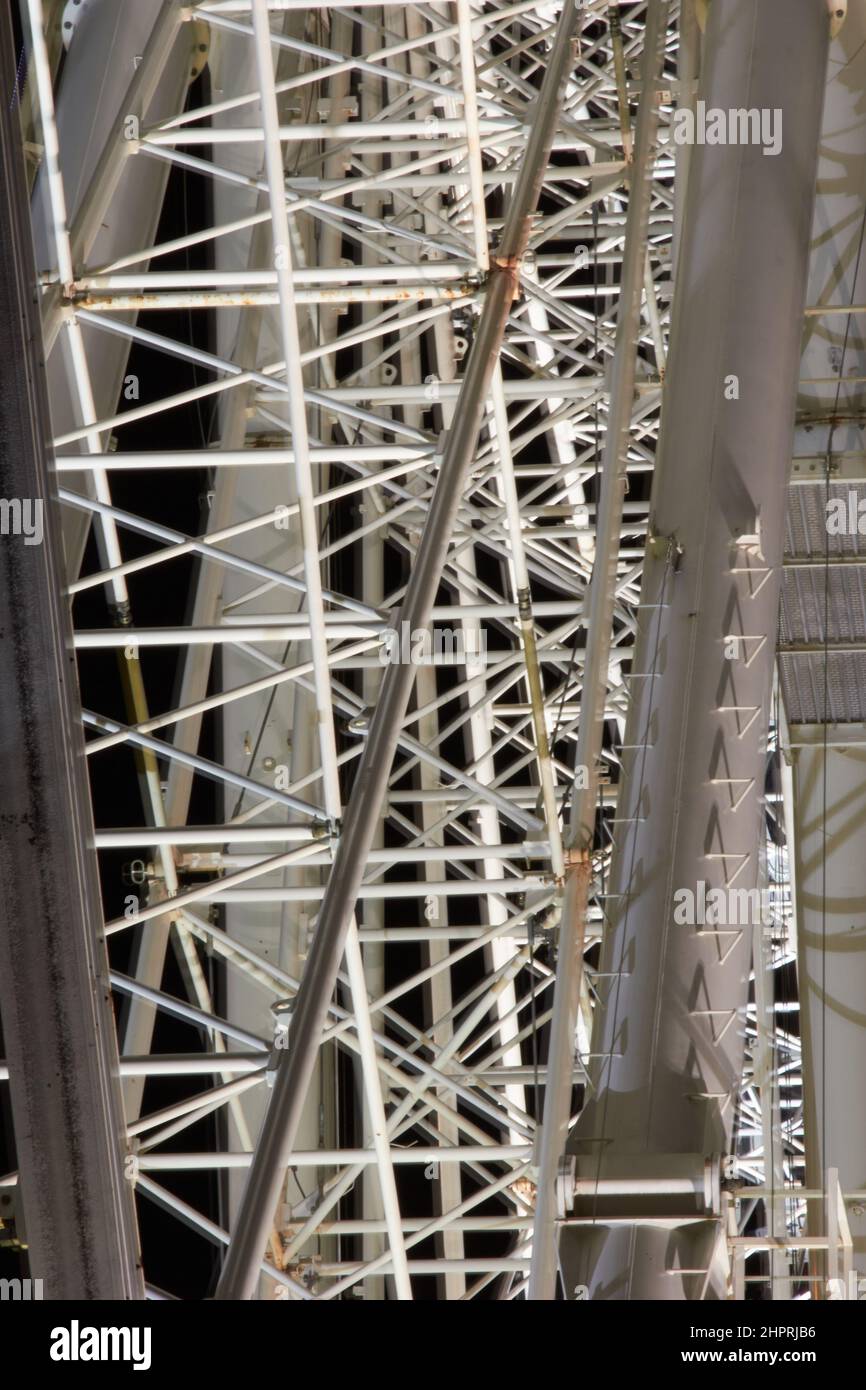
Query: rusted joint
[526, 1189]
[509, 266]
[306, 1271]
[575, 858]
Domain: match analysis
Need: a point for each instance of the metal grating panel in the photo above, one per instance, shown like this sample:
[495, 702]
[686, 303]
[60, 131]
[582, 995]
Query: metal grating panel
[823, 601]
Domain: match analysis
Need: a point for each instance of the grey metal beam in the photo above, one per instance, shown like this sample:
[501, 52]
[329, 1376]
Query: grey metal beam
[54, 994]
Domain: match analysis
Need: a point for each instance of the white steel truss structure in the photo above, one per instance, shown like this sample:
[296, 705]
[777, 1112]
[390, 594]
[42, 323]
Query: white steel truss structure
[360, 163]
[363, 721]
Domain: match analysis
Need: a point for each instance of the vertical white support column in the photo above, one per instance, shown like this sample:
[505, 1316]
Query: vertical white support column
[668, 1031]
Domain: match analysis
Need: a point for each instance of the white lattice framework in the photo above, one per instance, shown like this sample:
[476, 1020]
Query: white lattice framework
[334, 377]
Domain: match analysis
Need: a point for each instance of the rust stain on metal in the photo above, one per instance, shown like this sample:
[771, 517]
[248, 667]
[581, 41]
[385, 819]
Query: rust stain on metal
[509, 266]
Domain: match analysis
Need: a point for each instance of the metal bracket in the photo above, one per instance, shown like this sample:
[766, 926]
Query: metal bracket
[662, 547]
[201, 48]
[838, 14]
[72, 16]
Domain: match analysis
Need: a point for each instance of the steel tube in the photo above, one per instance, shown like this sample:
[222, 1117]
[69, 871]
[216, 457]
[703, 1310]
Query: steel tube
[339, 1158]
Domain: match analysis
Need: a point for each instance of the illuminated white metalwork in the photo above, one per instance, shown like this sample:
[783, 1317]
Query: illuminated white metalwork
[360, 163]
